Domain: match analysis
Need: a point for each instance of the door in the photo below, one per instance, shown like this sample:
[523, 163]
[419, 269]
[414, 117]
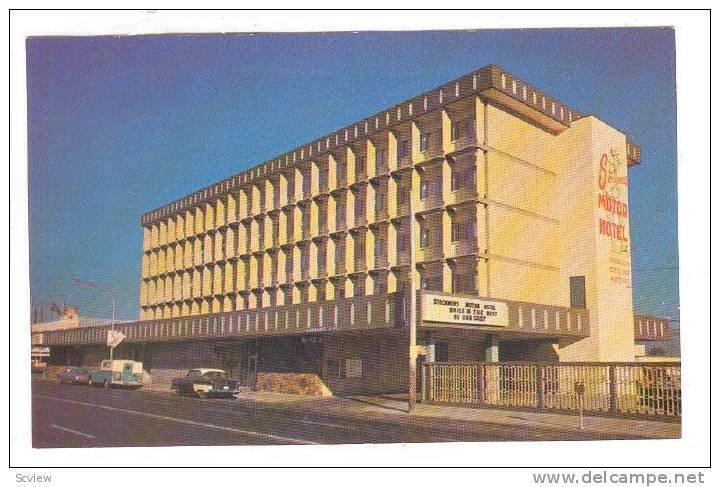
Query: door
[251, 371]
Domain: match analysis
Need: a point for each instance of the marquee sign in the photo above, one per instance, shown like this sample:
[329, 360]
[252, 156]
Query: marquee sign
[464, 311]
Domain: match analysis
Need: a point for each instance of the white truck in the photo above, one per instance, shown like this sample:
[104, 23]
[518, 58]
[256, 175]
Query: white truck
[117, 373]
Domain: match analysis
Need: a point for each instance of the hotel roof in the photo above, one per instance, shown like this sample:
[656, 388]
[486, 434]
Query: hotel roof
[490, 82]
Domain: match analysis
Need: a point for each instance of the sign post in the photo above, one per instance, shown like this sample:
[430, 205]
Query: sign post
[580, 391]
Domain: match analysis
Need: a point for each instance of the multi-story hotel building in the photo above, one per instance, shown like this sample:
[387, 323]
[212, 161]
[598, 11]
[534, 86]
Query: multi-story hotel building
[484, 187]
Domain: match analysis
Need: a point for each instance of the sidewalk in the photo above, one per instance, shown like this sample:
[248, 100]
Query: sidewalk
[369, 407]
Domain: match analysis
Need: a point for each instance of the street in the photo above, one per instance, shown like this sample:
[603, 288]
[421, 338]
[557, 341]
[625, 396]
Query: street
[82, 416]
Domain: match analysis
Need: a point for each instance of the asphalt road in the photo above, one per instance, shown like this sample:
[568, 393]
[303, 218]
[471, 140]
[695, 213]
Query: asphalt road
[82, 416]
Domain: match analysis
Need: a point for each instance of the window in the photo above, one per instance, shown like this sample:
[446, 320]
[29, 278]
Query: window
[404, 149]
[288, 265]
[340, 249]
[323, 175]
[380, 285]
[425, 141]
[359, 207]
[462, 230]
[379, 201]
[577, 292]
[379, 247]
[424, 237]
[306, 182]
[360, 165]
[462, 128]
[464, 282]
[423, 189]
[305, 220]
[379, 157]
[462, 177]
[403, 242]
[353, 367]
[321, 256]
[305, 258]
[332, 367]
[358, 289]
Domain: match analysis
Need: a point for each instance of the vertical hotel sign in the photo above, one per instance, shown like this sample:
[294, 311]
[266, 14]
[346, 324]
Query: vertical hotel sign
[612, 205]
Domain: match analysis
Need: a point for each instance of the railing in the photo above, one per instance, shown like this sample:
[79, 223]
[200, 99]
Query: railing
[357, 313]
[433, 151]
[647, 389]
[431, 202]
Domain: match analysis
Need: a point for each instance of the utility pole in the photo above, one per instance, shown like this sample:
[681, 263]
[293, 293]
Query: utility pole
[412, 318]
[108, 293]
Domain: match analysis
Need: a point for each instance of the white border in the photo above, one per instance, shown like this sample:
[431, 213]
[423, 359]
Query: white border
[692, 31]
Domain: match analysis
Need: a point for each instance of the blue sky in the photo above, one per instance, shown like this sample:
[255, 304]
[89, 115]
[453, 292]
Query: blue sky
[118, 126]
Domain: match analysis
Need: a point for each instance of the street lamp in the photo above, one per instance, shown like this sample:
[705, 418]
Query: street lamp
[109, 293]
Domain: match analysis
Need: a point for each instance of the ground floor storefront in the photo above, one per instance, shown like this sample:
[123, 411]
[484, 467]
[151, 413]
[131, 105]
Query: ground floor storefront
[362, 362]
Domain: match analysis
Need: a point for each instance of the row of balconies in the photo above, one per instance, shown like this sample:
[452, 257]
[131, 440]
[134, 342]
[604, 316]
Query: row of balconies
[187, 288]
[431, 247]
[212, 217]
[237, 277]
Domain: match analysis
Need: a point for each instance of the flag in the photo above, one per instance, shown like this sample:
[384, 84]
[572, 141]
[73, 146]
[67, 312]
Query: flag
[114, 338]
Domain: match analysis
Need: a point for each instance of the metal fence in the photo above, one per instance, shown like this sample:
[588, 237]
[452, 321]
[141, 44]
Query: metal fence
[649, 389]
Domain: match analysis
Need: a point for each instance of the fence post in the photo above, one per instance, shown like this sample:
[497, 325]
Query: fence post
[539, 385]
[424, 390]
[613, 389]
[481, 384]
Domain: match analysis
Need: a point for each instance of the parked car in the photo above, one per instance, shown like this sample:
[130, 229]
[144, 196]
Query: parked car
[205, 383]
[118, 373]
[74, 375]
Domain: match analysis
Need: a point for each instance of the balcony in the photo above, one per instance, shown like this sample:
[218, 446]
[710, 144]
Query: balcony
[462, 195]
[404, 161]
[460, 248]
[430, 202]
[403, 257]
[381, 214]
[651, 328]
[434, 151]
[360, 220]
[341, 180]
[359, 265]
[464, 142]
[340, 224]
[430, 253]
[381, 260]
